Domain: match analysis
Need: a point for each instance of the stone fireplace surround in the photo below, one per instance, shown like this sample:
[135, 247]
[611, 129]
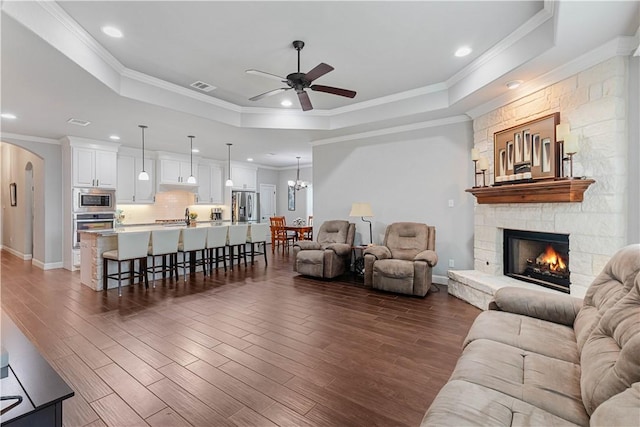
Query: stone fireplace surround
[594, 102]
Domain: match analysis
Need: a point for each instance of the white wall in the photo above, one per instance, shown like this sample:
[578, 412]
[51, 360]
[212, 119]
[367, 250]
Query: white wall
[404, 178]
[47, 166]
[633, 225]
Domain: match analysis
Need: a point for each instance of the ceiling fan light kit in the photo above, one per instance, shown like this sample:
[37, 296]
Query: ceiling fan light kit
[300, 81]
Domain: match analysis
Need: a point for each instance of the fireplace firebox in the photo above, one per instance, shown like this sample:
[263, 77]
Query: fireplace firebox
[537, 257]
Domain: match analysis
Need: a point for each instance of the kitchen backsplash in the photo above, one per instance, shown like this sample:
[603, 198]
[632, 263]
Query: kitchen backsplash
[168, 205]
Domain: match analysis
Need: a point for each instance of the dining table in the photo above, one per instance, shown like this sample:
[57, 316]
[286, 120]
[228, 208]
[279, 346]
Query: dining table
[301, 230]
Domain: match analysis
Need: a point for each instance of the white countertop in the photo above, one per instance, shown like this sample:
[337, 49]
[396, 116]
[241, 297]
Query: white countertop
[150, 227]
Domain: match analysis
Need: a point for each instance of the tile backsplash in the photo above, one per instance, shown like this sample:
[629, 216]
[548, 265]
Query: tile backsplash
[168, 205]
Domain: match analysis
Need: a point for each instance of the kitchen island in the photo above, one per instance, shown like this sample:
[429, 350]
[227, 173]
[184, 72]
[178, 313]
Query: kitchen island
[93, 243]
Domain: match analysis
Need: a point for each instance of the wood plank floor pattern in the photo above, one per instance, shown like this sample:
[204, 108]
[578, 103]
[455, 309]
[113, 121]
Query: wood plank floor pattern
[260, 346]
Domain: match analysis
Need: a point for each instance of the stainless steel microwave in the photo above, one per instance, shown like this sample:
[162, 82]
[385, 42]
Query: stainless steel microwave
[94, 200]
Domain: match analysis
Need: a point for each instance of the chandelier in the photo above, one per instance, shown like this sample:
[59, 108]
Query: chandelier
[297, 184]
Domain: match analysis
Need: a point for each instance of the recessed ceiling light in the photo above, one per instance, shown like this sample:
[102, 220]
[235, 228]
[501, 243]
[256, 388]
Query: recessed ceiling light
[115, 137]
[249, 159]
[112, 31]
[195, 150]
[8, 116]
[286, 103]
[463, 51]
[514, 84]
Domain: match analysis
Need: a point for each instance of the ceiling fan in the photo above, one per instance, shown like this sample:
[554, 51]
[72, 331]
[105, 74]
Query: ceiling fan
[301, 81]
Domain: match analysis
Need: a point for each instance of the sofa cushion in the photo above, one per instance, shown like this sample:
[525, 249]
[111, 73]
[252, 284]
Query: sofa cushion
[539, 336]
[539, 380]
[621, 410]
[611, 355]
[334, 231]
[611, 285]
[462, 403]
[406, 239]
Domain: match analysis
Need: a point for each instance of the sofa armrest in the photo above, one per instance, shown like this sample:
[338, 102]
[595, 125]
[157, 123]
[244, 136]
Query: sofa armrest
[620, 410]
[542, 305]
[341, 249]
[428, 256]
[379, 252]
[307, 244]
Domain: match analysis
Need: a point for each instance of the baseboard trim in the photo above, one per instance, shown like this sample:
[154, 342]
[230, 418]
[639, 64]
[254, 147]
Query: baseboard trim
[24, 257]
[440, 280]
[46, 266]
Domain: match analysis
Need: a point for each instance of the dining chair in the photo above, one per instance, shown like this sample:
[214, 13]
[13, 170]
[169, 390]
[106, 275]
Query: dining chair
[309, 234]
[279, 235]
[132, 246]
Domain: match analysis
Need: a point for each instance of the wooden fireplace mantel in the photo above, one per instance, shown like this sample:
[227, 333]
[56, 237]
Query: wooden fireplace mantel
[548, 191]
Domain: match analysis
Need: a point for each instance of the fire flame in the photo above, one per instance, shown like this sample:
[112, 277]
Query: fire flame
[553, 259]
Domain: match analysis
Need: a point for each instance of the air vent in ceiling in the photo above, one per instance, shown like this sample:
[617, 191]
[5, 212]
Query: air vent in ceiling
[78, 122]
[205, 87]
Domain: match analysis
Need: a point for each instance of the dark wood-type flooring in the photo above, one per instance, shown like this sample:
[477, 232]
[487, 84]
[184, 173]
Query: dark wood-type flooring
[253, 347]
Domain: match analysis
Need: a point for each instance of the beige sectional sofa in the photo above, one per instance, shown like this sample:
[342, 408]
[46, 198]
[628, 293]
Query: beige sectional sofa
[539, 359]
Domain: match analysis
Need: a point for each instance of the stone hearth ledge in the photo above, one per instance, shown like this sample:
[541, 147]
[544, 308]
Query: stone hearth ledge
[477, 288]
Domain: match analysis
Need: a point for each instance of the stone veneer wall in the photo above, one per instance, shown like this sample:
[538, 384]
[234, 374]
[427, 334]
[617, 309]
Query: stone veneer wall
[594, 102]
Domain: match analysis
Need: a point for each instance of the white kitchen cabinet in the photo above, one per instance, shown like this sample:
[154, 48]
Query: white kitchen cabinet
[244, 177]
[209, 184]
[94, 168]
[130, 189]
[174, 171]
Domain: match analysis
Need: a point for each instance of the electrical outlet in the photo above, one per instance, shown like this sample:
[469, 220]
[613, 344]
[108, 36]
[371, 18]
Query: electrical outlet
[450, 203]
[451, 263]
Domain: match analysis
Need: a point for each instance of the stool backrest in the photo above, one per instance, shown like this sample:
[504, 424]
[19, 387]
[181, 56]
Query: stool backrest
[133, 244]
[259, 233]
[164, 241]
[238, 234]
[194, 238]
[217, 236]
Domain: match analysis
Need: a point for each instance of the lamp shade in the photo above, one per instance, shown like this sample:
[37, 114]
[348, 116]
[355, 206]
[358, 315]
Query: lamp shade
[143, 176]
[361, 209]
[562, 130]
[570, 143]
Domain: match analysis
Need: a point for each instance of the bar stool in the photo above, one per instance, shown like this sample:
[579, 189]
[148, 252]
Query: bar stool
[164, 243]
[237, 239]
[193, 239]
[258, 234]
[217, 239]
[132, 246]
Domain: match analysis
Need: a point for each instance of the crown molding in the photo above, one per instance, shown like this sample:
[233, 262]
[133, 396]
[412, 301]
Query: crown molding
[620, 46]
[518, 34]
[393, 130]
[27, 138]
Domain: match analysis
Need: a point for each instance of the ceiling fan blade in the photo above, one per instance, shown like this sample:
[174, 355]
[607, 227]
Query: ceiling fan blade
[320, 70]
[269, 93]
[334, 90]
[305, 102]
[267, 75]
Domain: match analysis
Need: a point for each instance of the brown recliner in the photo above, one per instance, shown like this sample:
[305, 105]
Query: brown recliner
[404, 262]
[330, 255]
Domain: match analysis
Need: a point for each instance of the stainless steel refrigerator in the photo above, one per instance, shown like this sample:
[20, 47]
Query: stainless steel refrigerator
[245, 206]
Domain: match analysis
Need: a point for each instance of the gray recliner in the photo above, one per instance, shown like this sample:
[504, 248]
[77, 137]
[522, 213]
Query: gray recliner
[330, 255]
[404, 262]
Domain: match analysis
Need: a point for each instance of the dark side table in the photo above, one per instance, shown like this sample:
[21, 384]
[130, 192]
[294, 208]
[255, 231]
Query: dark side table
[357, 263]
[32, 391]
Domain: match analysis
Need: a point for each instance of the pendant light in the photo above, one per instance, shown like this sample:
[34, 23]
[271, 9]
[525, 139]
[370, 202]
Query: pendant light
[143, 176]
[297, 184]
[191, 179]
[229, 183]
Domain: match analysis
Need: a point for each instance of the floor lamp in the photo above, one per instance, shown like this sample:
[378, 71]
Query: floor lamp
[362, 210]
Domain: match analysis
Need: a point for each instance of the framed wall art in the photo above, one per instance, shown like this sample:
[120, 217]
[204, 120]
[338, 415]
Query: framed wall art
[528, 151]
[291, 198]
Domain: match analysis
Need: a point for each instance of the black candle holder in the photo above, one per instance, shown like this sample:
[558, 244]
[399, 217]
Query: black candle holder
[476, 173]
